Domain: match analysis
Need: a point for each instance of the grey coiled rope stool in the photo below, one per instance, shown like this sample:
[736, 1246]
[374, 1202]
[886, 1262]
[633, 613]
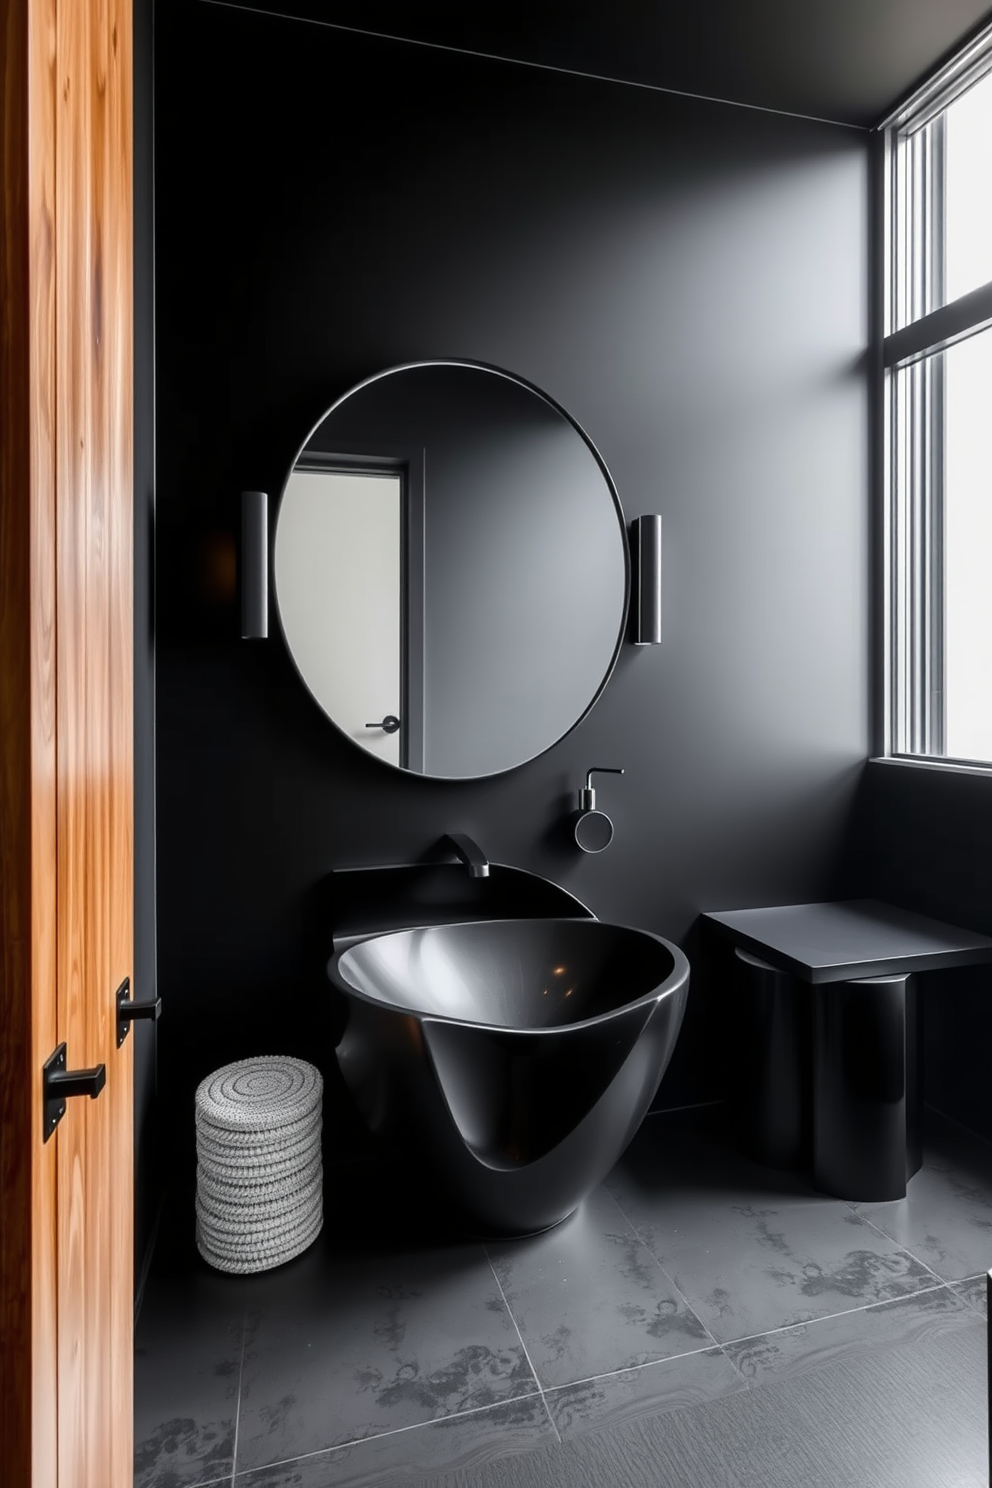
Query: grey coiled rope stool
[259, 1179]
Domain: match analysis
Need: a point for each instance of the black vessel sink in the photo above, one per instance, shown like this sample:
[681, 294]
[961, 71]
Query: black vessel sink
[514, 1058]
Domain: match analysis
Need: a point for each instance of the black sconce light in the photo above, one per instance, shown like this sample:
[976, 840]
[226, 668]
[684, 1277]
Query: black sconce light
[254, 565]
[647, 580]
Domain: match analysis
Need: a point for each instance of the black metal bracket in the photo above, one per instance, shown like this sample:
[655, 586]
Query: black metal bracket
[128, 1011]
[58, 1083]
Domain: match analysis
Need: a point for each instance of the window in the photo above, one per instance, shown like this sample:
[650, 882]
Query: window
[938, 416]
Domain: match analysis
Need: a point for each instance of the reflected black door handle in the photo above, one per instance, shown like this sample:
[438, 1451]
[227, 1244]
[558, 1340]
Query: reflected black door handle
[389, 724]
[128, 1011]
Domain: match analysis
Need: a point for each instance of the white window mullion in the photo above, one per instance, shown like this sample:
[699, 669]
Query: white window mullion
[916, 661]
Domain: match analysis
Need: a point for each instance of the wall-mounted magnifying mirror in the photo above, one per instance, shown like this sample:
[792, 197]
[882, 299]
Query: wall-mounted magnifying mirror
[451, 569]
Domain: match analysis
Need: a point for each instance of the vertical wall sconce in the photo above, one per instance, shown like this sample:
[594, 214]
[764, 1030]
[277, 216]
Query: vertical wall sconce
[647, 580]
[254, 565]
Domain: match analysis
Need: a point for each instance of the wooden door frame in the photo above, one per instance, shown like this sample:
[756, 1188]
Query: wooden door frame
[51, 51]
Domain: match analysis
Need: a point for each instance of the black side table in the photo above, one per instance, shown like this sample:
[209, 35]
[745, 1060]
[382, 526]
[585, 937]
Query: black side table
[835, 1080]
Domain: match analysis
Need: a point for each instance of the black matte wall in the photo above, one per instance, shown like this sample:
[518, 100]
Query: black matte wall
[920, 837]
[688, 279]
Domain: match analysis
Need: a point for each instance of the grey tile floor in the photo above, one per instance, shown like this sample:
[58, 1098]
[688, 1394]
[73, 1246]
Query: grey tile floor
[700, 1320]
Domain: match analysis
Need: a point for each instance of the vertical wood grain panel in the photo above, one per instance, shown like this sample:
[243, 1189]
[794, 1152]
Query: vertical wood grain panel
[94, 486]
[66, 830]
[44, 829]
[28, 1371]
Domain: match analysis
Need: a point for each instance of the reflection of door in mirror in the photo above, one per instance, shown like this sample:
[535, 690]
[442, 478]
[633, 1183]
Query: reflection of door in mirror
[345, 546]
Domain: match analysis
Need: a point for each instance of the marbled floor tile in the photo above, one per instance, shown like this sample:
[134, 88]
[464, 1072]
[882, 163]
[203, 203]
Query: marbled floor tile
[974, 1291]
[754, 1264]
[946, 1217]
[341, 1347]
[457, 1443]
[694, 1155]
[186, 1365]
[670, 1385]
[589, 1298]
[790, 1352]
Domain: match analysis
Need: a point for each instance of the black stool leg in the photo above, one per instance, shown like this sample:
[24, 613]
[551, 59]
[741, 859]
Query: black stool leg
[866, 1091]
[772, 1057]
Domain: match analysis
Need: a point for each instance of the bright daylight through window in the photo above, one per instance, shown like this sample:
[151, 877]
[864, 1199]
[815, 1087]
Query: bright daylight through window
[938, 360]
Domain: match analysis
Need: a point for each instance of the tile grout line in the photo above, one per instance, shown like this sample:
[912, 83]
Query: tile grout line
[591, 1379]
[904, 1248]
[527, 1356]
[358, 1441]
[976, 1307]
[637, 1234]
[702, 1321]
[939, 1283]
[237, 1411]
[725, 1346]
[844, 1312]
[744, 1338]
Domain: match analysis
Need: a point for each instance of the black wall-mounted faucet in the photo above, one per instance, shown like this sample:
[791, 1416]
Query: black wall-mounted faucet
[469, 852]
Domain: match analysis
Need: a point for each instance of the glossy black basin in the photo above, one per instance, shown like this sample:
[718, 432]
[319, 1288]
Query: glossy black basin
[514, 1059]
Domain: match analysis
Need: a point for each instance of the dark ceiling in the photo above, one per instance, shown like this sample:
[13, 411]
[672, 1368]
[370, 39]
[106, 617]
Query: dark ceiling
[847, 60]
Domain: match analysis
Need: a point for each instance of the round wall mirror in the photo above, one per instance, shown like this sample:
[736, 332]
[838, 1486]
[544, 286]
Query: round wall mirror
[451, 569]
